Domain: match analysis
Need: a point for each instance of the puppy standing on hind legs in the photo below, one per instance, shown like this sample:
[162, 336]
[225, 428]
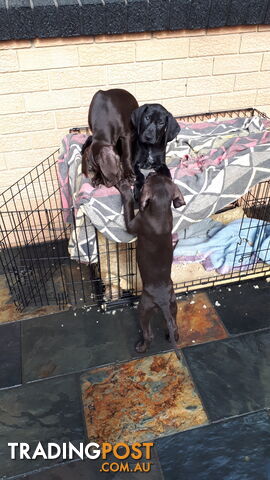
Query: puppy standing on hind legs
[153, 227]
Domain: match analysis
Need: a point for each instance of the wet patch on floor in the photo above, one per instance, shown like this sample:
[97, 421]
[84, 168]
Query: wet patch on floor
[140, 400]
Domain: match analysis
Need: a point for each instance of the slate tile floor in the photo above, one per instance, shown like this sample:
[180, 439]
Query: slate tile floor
[75, 376]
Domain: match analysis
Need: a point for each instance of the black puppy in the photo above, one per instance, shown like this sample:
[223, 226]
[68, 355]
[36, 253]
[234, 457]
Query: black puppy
[153, 227]
[108, 152]
[155, 127]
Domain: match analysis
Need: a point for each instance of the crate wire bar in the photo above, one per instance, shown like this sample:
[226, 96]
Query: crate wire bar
[34, 243]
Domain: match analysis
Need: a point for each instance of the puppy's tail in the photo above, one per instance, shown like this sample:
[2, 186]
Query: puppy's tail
[173, 342]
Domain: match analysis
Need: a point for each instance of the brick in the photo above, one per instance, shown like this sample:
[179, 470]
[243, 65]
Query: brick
[5, 177]
[237, 63]
[130, 73]
[47, 58]
[266, 62]
[56, 42]
[187, 67]
[125, 37]
[89, 92]
[179, 33]
[26, 122]
[71, 118]
[214, 45]
[208, 85]
[31, 140]
[28, 158]
[11, 104]
[155, 100]
[15, 142]
[79, 77]
[161, 89]
[249, 81]
[264, 109]
[233, 100]
[263, 96]
[42, 101]
[187, 105]
[162, 49]
[15, 44]
[3, 165]
[105, 54]
[255, 42]
[49, 138]
[231, 30]
[23, 82]
[8, 61]
[263, 28]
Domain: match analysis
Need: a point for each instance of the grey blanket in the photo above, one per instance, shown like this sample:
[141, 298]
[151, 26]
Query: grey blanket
[213, 163]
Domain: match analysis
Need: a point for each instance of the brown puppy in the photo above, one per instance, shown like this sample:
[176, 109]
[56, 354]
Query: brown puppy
[153, 227]
[108, 152]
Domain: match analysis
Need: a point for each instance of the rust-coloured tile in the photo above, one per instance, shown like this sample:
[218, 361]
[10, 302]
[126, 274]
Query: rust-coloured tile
[140, 400]
[198, 321]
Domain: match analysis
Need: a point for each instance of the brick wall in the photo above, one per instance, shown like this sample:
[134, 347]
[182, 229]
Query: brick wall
[46, 85]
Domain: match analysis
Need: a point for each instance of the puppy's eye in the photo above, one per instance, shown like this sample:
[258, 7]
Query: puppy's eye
[161, 122]
[147, 117]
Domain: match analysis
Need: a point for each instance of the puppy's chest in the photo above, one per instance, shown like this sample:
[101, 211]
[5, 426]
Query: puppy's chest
[155, 247]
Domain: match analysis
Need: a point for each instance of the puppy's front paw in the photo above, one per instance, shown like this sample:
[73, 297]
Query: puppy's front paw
[142, 346]
[136, 192]
[176, 336]
[130, 177]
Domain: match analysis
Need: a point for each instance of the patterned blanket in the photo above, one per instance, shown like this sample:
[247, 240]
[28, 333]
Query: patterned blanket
[213, 163]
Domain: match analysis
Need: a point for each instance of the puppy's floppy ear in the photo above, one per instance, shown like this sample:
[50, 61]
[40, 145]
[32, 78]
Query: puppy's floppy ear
[144, 197]
[178, 199]
[86, 152]
[172, 128]
[86, 161]
[136, 117]
[109, 164]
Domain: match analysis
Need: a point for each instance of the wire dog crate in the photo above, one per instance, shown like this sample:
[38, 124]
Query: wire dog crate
[34, 244]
